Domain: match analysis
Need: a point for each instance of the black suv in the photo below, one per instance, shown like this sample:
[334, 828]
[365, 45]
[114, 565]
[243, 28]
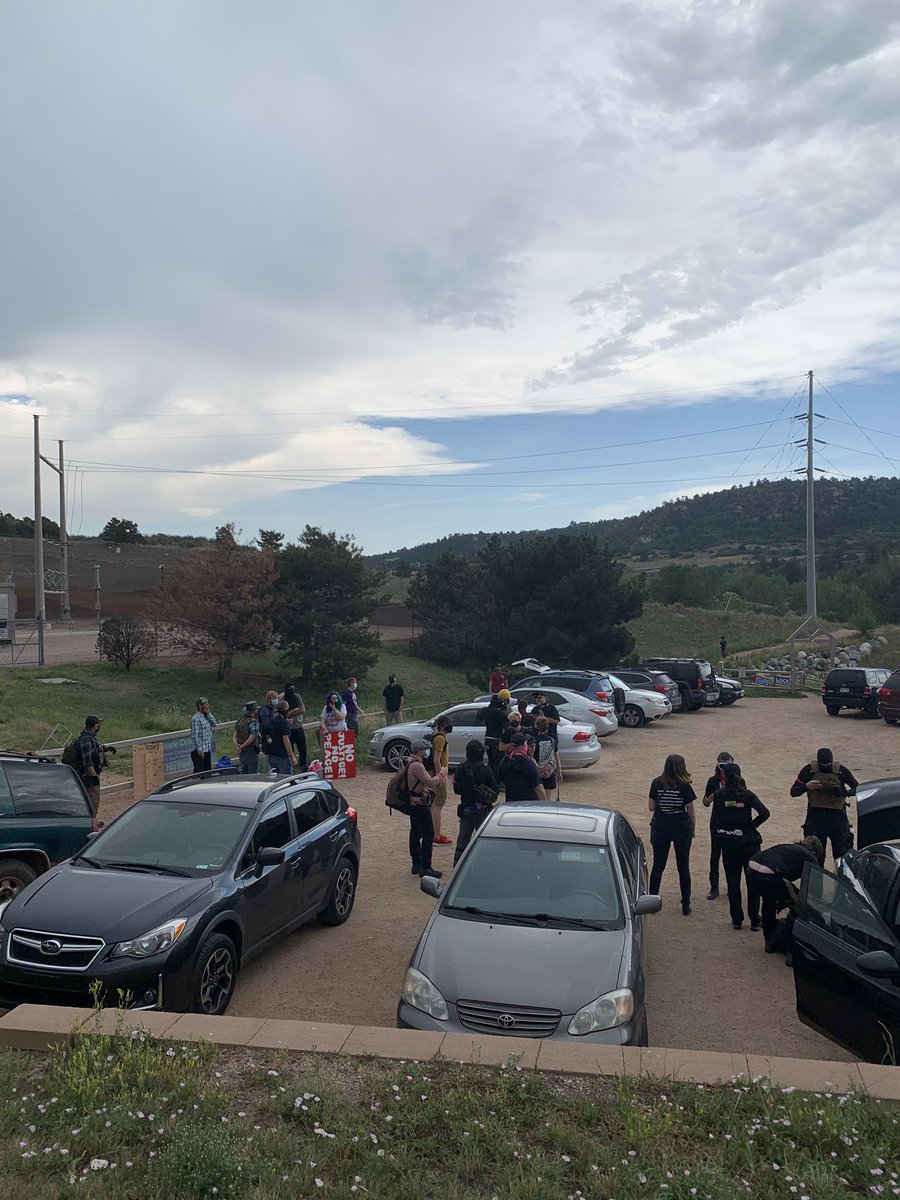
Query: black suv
[695, 678]
[45, 817]
[853, 687]
[174, 896]
[645, 679]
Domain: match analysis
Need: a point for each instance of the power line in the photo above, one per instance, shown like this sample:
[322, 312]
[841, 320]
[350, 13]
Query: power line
[859, 427]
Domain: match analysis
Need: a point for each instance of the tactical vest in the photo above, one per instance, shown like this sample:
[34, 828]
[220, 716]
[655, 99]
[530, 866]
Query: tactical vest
[831, 795]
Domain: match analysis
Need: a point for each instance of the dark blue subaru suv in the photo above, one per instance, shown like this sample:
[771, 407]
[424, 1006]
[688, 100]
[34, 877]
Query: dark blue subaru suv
[164, 906]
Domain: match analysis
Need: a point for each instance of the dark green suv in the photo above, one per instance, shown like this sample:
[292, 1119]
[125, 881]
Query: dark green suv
[45, 818]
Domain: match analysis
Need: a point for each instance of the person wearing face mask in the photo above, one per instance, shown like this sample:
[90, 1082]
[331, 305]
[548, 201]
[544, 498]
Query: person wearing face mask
[513, 726]
[436, 764]
[334, 714]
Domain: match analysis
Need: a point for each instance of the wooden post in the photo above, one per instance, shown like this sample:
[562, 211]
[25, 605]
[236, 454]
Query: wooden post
[148, 769]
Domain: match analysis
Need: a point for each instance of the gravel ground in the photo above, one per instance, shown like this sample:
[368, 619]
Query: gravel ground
[709, 987]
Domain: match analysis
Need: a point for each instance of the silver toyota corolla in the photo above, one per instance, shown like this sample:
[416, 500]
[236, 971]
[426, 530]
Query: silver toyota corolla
[539, 933]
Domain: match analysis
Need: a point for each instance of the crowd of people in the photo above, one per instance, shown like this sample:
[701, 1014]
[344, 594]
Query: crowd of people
[274, 729]
[766, 876]
[519, 754]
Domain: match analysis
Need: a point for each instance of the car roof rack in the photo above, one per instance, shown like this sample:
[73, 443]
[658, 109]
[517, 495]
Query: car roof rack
[29, 756]
[184, 781]
[288, 782]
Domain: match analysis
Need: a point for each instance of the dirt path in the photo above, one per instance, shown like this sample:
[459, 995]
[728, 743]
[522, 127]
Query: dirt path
[710, 987]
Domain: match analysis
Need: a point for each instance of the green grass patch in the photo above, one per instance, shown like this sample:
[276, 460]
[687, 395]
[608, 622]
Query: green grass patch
[123, 1116]
[673, 629]
[159, 697]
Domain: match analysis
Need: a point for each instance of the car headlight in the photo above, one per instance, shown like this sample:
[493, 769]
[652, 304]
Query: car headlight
[419, 992]
[155, 942]
[606, 1012]
[865, 793]
[378, 735]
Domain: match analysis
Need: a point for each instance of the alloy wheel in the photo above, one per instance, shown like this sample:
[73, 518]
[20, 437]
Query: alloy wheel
[10, 888]
[344, 888]
[216, 982]
[397, 755]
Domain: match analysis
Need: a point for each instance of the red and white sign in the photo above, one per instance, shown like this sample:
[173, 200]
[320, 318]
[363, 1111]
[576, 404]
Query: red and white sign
[339, 753]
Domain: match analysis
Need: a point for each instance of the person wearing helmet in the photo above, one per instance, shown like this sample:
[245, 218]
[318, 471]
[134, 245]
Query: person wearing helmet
[477, 789]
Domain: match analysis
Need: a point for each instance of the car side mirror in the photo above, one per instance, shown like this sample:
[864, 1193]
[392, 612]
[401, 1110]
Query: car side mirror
[879, 964]
[92, 835]
[645, 905]
[269, 856]
[430, 886]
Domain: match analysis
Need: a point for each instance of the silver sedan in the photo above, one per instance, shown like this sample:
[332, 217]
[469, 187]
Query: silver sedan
[578, 745]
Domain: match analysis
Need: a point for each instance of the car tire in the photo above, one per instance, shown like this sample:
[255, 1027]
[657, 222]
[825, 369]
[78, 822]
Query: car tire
[872, 712]
[832, 709]
[695, 706]
[15, 876]
[632, 716]
[396, 754]
[341, 894]
[214, 976]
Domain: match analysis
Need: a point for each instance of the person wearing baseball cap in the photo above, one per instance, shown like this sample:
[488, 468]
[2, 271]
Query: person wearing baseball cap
[90, 758]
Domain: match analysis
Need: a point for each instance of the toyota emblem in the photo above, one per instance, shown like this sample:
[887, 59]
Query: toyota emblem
[50, 946]
[506, 1021]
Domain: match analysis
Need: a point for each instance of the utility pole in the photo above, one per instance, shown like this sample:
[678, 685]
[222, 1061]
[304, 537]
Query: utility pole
[810, 510]
[38, 529]
[63, 540]
[809, 442]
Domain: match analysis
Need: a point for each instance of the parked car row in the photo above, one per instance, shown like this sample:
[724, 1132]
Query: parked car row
[873, 691]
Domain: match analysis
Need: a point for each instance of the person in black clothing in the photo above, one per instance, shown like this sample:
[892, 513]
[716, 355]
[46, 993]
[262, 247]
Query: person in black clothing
[715, 781]
[512, 727]
[672, 824]
[544, 709]
[826, 785]
[526, 719]
[519, 774]
[494, 720]
[766, 876]
[294, 715]
[477, 788]
[735, 828]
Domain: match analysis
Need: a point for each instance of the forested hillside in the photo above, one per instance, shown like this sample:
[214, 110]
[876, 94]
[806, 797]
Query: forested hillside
[769, 516]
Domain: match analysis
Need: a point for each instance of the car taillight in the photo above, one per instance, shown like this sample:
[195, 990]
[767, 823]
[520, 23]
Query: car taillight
[867, 691]
[659, 687]
[352, 814]
[581, 736]
[699, 685]
[824, 689]
[603, 695]
[884, 691]
[599, 712]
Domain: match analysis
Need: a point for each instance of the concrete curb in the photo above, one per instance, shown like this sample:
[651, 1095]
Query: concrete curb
[39, 1027]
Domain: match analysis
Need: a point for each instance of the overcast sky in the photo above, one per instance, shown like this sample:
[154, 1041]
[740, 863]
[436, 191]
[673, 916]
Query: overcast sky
[409, 269]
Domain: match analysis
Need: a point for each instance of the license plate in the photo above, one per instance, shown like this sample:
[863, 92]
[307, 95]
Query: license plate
[844, 691]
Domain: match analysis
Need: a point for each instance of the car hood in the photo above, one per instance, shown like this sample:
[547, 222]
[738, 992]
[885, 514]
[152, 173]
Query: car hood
[514, 964]
[114, 905]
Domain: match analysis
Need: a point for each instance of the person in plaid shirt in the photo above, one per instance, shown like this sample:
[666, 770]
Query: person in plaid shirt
[202, 725]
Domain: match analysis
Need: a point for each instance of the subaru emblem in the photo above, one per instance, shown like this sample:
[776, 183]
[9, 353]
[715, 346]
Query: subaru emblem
[51, 946]
[506, 1021]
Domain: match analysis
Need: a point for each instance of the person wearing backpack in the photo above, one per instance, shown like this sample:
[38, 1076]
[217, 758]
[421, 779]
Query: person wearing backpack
[715, 781]
[477, 789]
[86, 755]
[246, 739]
[545, 755]
[421, 828]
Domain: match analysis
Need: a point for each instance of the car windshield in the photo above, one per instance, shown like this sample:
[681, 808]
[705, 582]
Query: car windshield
[526, 881]
[170, 836]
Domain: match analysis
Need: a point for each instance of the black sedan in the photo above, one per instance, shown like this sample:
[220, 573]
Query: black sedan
[167, 903]
[846, 951]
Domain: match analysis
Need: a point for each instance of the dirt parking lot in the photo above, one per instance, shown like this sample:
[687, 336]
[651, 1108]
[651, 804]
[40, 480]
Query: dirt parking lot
[709, 986]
